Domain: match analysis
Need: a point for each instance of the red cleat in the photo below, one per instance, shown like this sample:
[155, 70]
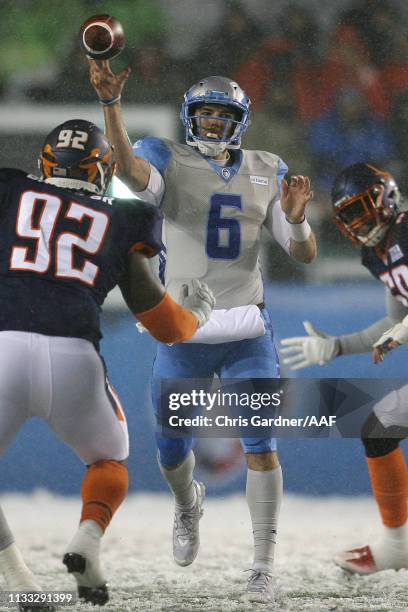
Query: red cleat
[357, 560]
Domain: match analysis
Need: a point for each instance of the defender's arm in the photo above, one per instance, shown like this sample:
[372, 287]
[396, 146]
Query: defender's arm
[166, 320]
[318, 348]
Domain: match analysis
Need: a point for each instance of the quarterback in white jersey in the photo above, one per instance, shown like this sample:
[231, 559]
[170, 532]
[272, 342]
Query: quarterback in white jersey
[212, 227]
[215, 199]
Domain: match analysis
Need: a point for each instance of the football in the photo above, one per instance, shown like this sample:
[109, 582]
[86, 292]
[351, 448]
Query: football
[102, 37]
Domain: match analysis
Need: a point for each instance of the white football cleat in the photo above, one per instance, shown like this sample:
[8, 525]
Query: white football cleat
[259, 588]
[186, 534]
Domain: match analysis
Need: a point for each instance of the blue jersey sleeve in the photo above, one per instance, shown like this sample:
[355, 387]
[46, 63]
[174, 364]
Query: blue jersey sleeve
[282, 170]
[155, 151]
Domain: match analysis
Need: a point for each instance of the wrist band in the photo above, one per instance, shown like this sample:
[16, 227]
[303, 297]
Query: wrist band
[109, 101]
[337, 346]
[299, 230]
[295, 222]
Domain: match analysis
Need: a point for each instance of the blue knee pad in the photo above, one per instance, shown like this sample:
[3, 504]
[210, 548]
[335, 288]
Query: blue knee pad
[173, 450]
[258, 445]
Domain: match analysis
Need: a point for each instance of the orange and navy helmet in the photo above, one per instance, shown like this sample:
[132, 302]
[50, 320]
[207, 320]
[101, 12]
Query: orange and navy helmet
[365, 202]
[77, 155]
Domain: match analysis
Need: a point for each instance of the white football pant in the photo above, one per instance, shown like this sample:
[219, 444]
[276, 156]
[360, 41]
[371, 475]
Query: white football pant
[392, 410]
[61, 380]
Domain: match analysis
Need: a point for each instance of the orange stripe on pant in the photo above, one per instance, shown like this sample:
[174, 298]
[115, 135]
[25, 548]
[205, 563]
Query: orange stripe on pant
[115, 398]
[389, 481]
[103, 490]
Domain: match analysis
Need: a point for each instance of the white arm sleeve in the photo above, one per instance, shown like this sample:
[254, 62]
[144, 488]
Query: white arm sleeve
[276, 224]
[153, 194]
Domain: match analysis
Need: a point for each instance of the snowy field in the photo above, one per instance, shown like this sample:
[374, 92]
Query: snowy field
[142, 575]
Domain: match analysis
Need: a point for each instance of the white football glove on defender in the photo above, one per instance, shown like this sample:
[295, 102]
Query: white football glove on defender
[398, 333]
[317, 348]
[199, 299]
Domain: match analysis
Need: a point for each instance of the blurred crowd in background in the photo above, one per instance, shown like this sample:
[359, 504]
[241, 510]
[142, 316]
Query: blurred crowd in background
[328, 84]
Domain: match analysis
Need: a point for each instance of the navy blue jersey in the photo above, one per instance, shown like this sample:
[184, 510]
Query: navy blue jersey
[62, 251]
[389, 262]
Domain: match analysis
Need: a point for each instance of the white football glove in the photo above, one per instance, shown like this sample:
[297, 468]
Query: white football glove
[317, 348]
[199, 299]
[398, 333]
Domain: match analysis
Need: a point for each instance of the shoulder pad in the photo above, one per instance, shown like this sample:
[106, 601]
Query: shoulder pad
[144, 222]
[155, 150]
[11, 174]
[265, 156]
[137, 207]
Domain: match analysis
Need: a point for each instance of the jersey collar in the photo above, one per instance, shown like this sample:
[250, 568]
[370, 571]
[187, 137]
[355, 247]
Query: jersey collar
[227, 173]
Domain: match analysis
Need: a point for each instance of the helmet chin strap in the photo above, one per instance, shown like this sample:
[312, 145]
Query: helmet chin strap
[375, 236]
[72, 184]
[210, 149]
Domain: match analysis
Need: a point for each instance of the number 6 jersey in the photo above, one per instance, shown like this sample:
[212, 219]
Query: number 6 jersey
[213, 215]
[62, 251]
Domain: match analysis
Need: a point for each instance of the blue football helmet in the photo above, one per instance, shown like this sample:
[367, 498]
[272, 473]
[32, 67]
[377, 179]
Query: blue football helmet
[222, 91]
[365, 201]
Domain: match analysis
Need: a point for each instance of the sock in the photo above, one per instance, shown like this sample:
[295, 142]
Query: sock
[103, 489]
[391, 551]
[12, 565]
[264, 490]
[180, 481]
[17, 575]
[6, 537]
[396, 537]
[87, 542]
[389, 482]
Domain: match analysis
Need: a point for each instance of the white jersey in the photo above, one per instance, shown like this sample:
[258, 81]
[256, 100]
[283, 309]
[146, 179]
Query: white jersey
[213, 217]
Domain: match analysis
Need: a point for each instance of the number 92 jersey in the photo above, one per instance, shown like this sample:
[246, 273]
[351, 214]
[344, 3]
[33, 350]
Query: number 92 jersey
[62, 251]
